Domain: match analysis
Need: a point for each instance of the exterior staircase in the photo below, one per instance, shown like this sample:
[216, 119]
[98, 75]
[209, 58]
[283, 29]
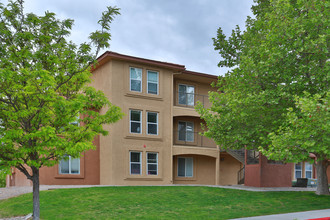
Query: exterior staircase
[237, 154]
[252, 158]
[240, 156]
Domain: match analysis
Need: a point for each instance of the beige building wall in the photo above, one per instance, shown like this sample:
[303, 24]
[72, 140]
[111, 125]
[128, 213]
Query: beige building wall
[229, 167]
[17, 178]
[203, 170]
[115, 148]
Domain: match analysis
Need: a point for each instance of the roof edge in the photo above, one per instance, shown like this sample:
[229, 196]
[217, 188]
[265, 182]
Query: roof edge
[181, 68]
[200, 74]
[114, 55]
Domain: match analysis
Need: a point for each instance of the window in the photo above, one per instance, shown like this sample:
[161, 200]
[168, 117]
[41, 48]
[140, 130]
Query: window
[186, 95]
[152, 163]
[135, 79]
[152, 123]
[186, 131]
[135, 121]
[135, 162]
[185, 166]
[308, 170]
[69, 165]
[298, 170]
[152, 82]
[76, 122]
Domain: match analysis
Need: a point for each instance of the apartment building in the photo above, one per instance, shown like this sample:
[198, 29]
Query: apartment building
[158, 140]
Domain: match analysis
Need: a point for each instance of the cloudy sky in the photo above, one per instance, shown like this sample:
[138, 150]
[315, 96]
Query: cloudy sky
[176, 31]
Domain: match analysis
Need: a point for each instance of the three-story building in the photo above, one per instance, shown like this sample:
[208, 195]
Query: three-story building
[159, 141]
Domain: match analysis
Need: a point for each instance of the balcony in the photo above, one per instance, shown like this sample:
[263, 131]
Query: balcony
[184, 103]
[189, 100]
[192, 139]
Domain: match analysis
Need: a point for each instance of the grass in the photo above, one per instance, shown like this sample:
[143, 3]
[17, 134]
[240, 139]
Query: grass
[156, 202]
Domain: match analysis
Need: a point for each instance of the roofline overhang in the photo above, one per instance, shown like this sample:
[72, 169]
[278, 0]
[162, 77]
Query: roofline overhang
[117, 56]
[181, 69]
[200, 74]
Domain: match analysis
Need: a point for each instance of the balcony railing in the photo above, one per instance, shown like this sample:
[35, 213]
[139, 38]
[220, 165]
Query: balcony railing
[191, 99]
[193, 139]
[252, 157]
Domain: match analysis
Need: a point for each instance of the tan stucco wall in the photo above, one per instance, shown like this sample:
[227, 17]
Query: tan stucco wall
[89, 171]
[17, 178]
[229, 167]
[203, 170]
[115, 148]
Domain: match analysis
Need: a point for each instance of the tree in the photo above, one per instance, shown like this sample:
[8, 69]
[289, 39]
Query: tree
[307, 131]
[44, 89]
[283, 53]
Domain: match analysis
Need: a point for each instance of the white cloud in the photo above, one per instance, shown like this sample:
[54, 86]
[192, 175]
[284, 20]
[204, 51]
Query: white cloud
[177, 31]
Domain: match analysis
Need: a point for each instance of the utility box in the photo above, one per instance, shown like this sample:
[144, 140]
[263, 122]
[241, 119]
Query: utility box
[301, 182]
[312, 183]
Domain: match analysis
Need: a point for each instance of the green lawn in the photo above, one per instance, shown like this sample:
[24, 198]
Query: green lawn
[155, 202]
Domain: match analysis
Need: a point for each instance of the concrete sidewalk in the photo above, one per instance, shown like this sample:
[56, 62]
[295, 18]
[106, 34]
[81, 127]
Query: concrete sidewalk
[325, 213]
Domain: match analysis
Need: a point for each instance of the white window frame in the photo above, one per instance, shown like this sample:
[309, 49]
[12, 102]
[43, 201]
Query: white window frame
[311, 170]
[295, 169]
[70, 166]
[185, 172]
[130, 79]
[152, 82]
[152, 163]
[152, 123]
[193, 131]
[130, 162]
[130, 121]
[186, 85]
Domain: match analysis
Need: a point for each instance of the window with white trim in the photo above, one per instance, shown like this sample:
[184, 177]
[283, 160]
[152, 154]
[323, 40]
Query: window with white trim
[308, 170]
[298, 170]
[152, 123]
[135, 121]
[152, 163]
[135, 79]
[185, 167]
[135, 162]
[186, 131]
[152, 82]
[69, 165]
[186, 95]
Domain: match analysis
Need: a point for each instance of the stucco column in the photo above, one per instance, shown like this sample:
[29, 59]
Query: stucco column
[217, 170]
[7, 181]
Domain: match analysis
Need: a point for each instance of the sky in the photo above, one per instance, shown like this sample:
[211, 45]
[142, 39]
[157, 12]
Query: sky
[175, 31]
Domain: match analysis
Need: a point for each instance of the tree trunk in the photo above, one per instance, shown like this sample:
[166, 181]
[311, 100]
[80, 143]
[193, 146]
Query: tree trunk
[322, 179]
[36, 202]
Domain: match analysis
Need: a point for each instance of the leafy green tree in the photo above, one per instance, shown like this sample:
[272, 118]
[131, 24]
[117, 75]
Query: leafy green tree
[307, 131]
[44, 88]
[283, 53]
[3, 175]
